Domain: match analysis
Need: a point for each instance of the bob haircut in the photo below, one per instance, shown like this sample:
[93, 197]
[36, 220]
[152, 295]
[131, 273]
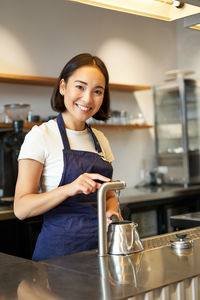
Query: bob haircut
[81, 60]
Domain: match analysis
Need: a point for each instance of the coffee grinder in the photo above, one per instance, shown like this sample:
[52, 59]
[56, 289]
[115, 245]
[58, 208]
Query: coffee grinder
[11, 140]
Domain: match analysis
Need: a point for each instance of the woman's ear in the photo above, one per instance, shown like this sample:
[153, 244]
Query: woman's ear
[62, 87]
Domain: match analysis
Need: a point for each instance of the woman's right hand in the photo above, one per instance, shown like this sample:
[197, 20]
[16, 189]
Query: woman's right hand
[86, 184]
[29, 203]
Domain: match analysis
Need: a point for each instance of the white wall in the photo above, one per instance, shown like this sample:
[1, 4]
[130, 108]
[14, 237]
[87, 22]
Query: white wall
[38, 37]
[188, 46]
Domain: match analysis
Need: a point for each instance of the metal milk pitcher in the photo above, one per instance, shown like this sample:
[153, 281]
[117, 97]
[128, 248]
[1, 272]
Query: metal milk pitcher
[123, 237]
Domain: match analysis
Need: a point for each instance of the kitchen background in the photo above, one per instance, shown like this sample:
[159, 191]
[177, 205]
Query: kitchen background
[38, 37]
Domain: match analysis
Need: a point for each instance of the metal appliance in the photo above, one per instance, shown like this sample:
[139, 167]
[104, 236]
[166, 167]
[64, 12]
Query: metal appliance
[123, 237]
[181, 242]
[177, 129]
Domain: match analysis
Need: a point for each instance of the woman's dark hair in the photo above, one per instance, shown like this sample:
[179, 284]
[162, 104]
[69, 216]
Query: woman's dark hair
[84, 59]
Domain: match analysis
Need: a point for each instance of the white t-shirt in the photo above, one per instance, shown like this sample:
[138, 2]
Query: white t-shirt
[44, 144]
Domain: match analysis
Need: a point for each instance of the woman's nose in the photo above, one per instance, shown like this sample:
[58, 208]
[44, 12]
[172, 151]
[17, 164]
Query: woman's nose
[87, 96]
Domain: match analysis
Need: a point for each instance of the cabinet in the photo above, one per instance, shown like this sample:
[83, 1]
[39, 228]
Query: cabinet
[152, 206]
[50, 81]
[177, 129]
[19, 237]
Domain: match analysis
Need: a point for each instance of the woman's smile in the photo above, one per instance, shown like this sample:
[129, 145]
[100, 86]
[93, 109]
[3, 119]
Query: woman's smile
[83, 107]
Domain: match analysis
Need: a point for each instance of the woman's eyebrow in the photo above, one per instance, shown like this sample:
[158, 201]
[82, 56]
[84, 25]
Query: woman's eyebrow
[83, 82]
[100, 87]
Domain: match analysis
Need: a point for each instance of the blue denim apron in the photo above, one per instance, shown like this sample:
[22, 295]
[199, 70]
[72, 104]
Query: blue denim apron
[72, 226]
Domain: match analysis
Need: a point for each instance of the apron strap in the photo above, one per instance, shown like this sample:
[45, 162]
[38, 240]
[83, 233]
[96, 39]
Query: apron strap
[96, 142]
[61, 126]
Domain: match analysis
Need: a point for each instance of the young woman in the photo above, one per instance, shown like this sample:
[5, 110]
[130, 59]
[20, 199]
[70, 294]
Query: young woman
[69, 161]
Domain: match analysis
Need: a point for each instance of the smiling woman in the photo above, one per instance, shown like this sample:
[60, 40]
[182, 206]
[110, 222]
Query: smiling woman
[95, 65]
[70, 160]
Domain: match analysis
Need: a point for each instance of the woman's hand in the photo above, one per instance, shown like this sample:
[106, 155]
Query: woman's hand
[86, 184]
[109, 214]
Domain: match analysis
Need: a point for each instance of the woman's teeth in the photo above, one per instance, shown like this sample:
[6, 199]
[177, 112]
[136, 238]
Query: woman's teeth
[83, 107]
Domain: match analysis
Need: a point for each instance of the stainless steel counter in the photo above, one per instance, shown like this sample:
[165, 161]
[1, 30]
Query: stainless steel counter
[88, 276]
[149, 193]
[130, 195]
[187, 220]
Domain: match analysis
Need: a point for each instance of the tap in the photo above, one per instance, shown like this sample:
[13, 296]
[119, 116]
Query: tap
[105, 187]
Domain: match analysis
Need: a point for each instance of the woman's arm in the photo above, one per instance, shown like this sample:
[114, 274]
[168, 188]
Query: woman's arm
[28, 202]
[111, 202]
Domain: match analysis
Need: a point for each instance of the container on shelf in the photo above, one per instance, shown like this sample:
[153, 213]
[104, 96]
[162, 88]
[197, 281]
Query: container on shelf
[17, 111]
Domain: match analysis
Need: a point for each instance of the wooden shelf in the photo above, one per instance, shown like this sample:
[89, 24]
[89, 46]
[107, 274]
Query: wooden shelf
[29, 125]
[50, 81]
[128, 88]
[31, 80]
[122, 126]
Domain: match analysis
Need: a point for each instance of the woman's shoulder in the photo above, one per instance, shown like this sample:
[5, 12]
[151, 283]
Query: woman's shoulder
[41, 133]
[39, 141]
[45, 126]
[44, 129]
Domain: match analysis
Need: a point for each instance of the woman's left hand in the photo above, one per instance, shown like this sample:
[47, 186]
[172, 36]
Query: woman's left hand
[109, 214]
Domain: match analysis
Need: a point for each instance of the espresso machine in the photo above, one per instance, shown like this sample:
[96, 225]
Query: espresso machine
[11, 139]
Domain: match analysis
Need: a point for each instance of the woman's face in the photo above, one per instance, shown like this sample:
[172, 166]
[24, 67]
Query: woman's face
[83, 93]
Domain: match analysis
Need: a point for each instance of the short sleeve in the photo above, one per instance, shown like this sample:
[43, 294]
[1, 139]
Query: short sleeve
[33, 146]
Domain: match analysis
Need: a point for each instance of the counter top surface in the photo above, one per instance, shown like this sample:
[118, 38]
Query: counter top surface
[6, 211]
[87, 276]
[149, 193]
[129, 195]
[187, 220]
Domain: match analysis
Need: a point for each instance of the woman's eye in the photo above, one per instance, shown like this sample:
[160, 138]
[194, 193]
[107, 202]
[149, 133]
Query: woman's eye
[98, 92]
[79, 87]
